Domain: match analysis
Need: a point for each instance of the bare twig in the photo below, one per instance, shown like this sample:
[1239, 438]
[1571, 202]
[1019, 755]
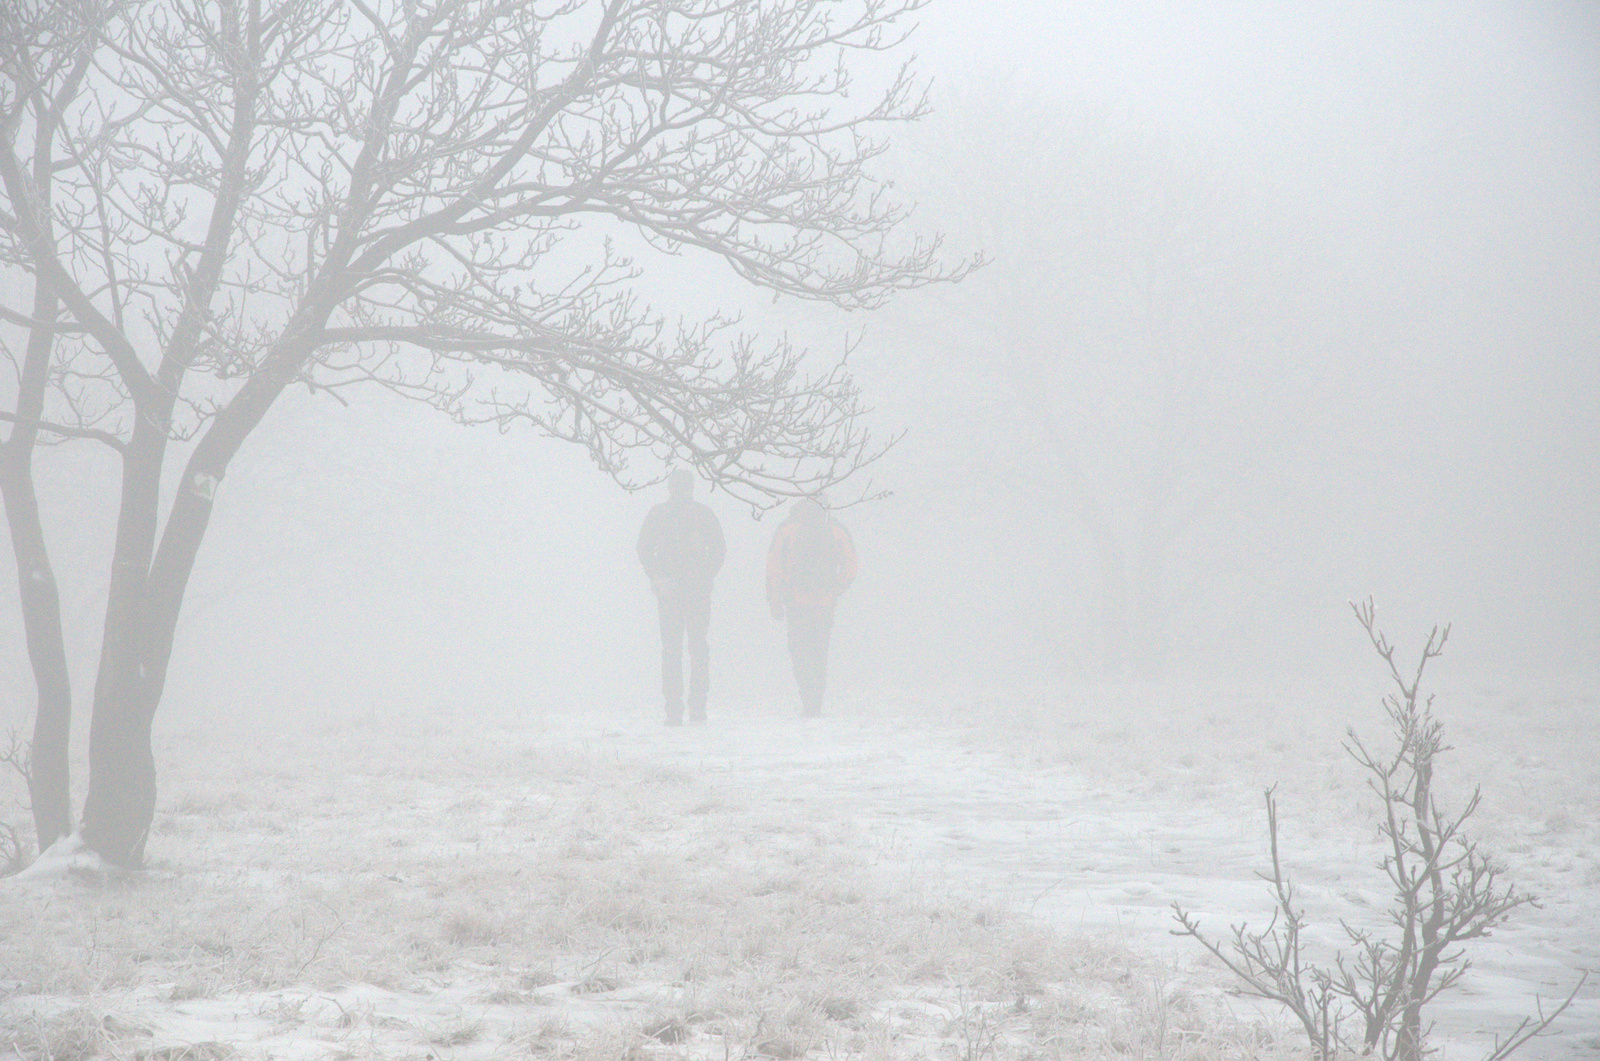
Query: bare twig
[1532, 1027]
[19, 756]
[1269, 962]
[13, 856]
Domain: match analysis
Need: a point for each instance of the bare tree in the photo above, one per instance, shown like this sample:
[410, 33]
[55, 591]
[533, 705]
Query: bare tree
[448, 199]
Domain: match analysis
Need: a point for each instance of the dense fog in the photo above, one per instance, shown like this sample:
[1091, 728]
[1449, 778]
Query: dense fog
[1283, 306]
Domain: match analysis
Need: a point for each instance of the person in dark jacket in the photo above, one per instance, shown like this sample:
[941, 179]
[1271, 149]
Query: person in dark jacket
[681, 547]
[810, 563]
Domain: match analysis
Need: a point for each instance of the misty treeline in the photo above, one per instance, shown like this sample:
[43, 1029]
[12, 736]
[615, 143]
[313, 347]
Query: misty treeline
[1129, 347]
[1183, 409]
[207, 204]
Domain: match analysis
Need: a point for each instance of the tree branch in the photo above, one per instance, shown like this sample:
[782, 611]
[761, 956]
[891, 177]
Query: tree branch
[89, 433]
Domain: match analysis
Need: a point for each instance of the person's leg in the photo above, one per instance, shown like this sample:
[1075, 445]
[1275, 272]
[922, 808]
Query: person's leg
[796, 626]
[820, 637]
[809, 629]
[798, 636]
[697, 624]
[670, 608]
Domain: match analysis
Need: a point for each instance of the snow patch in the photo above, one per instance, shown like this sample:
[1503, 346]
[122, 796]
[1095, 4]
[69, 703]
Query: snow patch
[67, 858]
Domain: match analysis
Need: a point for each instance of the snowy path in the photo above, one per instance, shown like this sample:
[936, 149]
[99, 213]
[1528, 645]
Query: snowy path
[1062, 846]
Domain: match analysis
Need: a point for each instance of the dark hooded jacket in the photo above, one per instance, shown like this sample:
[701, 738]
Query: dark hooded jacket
[681, 543]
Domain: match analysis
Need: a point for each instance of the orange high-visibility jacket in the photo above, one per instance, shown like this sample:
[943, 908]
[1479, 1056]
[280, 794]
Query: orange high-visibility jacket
[782, 585]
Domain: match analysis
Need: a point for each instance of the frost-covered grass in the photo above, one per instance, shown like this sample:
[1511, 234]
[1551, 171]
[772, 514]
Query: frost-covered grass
[469, 887]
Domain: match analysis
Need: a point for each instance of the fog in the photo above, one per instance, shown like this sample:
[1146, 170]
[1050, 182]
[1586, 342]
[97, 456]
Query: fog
[1382, 376]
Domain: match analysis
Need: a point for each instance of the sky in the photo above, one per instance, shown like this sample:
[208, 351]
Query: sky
[1444, 160]
[1396, 114]
[1313, 93]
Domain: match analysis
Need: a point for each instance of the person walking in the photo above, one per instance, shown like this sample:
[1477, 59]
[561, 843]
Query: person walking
[810, 563]
[682, 548]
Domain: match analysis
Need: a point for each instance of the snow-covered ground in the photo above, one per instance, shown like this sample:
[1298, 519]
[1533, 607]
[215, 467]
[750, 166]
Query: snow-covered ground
[489, 883]
[1102, 836]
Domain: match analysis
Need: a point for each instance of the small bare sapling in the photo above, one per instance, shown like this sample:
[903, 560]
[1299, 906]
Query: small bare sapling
[1447, 891]
[13, 853]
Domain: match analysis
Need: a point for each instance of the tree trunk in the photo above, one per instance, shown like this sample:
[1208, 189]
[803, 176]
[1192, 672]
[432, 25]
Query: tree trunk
[1408, 1040]
[147, 589]
[120, 805]
[122, 775]
[49, 780]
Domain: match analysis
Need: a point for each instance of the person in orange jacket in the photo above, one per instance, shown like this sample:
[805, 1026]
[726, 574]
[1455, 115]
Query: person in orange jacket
[810, 563]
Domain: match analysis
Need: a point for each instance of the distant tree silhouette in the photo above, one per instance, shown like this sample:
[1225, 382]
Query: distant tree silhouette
[208, 201]
[1114, 359]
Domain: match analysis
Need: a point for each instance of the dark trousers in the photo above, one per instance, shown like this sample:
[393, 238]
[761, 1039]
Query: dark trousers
[809, 631]
[685, 616]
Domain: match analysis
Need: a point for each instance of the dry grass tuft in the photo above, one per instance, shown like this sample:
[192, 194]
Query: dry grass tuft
[189, 1052]
[74, 1034]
